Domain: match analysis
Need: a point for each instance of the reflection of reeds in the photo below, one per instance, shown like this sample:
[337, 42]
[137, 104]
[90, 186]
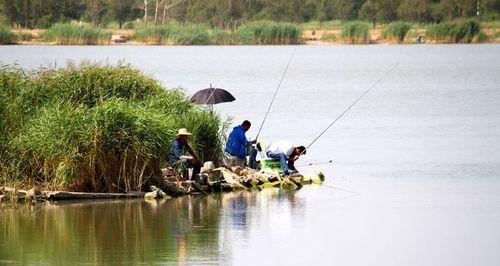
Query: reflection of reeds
[95, 128]
[110, 232]
[355, 32]
[455, 32]
[396, 31]
[70, 34]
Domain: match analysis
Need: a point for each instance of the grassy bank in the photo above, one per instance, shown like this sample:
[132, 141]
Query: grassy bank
[70, 34]
[261, 32]
[94, 128]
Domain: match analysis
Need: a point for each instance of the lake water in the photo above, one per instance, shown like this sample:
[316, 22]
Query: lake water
[416, 178]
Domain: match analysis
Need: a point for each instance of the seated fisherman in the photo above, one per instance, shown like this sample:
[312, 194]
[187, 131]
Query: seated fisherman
[239, 147]
[287, 153]
[176, 158]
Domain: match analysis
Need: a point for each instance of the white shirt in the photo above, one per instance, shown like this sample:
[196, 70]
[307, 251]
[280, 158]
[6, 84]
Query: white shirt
[285, 147]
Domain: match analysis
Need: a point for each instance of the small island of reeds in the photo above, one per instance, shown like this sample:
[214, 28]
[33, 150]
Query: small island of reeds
[94, 128]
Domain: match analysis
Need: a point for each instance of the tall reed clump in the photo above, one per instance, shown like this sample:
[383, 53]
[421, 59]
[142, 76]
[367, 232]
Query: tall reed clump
[455, 32]
[174, 33]
[396, 31]
[95, 128]
[268, 32]
[7, 36]
[356, 32]
[70, 34]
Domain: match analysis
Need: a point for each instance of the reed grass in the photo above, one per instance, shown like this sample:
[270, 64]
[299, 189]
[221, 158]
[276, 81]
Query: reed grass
[455, 32]
[396, 31]
[268, 32]
[7, 36]
[322, 25]
[95, 128]
[70, 34]
[174, 33]
[356, 32]
[329, 37]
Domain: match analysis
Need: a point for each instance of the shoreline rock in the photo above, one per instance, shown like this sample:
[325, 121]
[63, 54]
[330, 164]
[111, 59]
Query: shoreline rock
[217, 180]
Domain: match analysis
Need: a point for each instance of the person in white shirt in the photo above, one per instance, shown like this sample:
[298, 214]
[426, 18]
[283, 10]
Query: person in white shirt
[287, 153]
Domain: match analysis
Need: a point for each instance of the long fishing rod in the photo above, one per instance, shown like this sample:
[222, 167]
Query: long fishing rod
[276, 92]
[350, 106]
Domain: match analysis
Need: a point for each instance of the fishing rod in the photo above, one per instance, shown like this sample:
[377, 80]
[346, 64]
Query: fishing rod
[276, 92]
[350, 106]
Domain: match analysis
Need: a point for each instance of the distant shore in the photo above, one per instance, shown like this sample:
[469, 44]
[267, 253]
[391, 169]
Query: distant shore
[309, 37]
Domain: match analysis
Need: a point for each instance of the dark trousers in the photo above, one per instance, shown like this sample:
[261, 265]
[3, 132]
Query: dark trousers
[185, 165]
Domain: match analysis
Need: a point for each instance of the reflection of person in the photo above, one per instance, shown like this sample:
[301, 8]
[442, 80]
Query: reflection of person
[287, 153]
[176, 158]
[238, 146]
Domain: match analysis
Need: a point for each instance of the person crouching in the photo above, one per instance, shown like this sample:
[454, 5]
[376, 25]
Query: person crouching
[177, 158]
[287, 153]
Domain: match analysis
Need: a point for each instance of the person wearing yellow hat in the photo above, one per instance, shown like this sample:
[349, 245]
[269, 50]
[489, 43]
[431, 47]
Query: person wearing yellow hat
[176, 157]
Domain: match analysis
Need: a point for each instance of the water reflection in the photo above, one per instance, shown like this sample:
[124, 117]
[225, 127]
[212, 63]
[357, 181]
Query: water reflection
[193, 229]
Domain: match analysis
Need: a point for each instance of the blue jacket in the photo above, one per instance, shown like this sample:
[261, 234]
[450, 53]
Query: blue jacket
[237, 142]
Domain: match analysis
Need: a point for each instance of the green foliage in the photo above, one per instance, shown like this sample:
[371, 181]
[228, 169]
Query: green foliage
[322, 25]
[455, 32]
[397, 31]
[356, 32]
[95, 128]
[7, 36]
[329, 37]
[268, 32]
[24, 36]
[174, 33]
[70, 34]
[228, 14]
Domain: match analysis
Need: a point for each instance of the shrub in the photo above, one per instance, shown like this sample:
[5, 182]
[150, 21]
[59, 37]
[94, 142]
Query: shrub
[70, 34]
[7, 36]
[356, 32]
[396, 31]
[268, 32]
[174, 33]
[329, 37]
[455, 32]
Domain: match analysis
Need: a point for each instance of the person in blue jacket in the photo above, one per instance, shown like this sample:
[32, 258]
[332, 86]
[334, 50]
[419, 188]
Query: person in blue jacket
[237, 144]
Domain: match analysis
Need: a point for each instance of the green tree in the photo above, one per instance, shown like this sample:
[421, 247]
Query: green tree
[415, 10]
[121, 10]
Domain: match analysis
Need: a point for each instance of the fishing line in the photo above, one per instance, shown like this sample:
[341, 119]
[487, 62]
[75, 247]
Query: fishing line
[320, 163]
[341, 189]
[350, 106]
[276, 92]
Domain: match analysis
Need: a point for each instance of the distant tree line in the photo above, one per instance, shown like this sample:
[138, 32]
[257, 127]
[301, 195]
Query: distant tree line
[230, 13]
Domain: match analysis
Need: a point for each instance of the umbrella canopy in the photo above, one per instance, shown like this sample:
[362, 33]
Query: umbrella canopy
[212, 96]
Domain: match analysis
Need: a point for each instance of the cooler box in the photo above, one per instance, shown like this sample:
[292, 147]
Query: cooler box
[270, 165]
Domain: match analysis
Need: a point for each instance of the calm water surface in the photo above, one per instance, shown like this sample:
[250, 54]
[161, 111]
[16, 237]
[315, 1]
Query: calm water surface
[416, 179]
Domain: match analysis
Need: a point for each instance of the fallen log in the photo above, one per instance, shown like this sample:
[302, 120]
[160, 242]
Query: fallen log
[64, 195]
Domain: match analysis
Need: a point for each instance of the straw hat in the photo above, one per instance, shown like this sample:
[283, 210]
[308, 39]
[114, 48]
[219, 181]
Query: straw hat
[183, 132]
